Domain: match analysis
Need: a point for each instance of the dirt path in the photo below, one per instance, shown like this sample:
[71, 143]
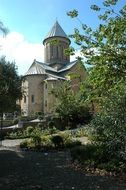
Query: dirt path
[46, 171]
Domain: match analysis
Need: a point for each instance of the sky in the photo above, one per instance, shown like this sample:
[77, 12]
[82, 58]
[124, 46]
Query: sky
[29, 21]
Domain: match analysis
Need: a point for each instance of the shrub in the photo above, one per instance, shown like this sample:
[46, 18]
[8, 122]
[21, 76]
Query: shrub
[51, 123]
[36, 139]
[57, 140]
[24, 144]
[82, 131]
[108, 131]
[29, 130]
[15, 121]
[40, 125]
[46, 142]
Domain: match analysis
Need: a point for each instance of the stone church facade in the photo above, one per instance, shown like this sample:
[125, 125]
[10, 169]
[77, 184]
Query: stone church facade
[41, 78]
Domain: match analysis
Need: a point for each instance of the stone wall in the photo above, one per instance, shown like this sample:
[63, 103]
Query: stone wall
[49, 98]
[54, 50]
[34, 91]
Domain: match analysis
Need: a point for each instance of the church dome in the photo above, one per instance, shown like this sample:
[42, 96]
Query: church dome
[56, 31]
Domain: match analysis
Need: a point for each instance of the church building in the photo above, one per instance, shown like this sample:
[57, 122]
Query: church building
[41, 78]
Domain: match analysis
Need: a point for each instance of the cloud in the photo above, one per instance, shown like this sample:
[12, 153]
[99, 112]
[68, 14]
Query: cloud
[77, 54]
[16, 48]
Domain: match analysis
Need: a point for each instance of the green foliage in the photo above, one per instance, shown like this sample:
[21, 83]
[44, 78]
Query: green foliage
[73, 13]
[24, 144]
[29, 130]
[110, 127]
[83, 131]
[71, 108]
[10, 86]
[45, 141]
[15, 134]
[95, 7]
[86, 153]
[105, 50]
[57, 140]
[7, 123]
[69, 51]
[27, 118]
[3, 29]
[93, 157]
[15, 121]
[40, 115]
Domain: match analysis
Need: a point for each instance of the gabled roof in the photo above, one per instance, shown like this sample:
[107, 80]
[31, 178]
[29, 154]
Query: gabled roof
[54, 77]
[35, 69]
[68, 66]
[57, 31]
[42, 68]
[39, 68]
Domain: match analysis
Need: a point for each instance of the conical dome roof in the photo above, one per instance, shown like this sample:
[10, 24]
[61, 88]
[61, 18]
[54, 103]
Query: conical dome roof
[56, 31]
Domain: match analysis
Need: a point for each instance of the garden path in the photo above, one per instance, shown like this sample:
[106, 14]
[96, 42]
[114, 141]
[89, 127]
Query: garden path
[47, 171]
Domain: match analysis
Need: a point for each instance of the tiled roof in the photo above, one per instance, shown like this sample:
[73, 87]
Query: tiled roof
[56, 30]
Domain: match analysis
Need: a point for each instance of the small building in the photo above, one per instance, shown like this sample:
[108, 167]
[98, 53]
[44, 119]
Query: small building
[41, 78]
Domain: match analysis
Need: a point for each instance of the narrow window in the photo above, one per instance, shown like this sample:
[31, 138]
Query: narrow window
[46, 103]
[24, 99]
[52, 85]
[57, 53]
[51, 51]
[32, 98]
[45, 85]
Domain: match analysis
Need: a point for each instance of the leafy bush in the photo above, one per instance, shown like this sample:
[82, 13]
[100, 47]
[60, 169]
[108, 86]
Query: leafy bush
[15, 121]
[68, 140]
[57, 140]
[29, 130]
[24, 144]
[7, 123]
[82, 131]
[27, 118]
[16, 134]
[71, 109]
[46, 142]
[85, 153]
[94, 156]
[108, 134]
[111, 134]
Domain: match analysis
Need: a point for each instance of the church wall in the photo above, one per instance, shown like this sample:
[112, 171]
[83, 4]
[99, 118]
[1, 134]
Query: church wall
[54, 50]
[76, 74]
[34, 94]
[49, 98]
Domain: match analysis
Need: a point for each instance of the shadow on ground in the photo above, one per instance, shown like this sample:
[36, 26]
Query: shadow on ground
[47, 171]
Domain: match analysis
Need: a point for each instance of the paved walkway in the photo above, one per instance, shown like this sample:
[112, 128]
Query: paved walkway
[10, 143]
[46, 171]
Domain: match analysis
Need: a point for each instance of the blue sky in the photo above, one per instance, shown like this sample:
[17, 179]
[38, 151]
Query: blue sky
[30, 20]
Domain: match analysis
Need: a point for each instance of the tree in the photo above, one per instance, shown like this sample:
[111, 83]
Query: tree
[71, 107]
[10, 86]
[3, 29]
[104, 48]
